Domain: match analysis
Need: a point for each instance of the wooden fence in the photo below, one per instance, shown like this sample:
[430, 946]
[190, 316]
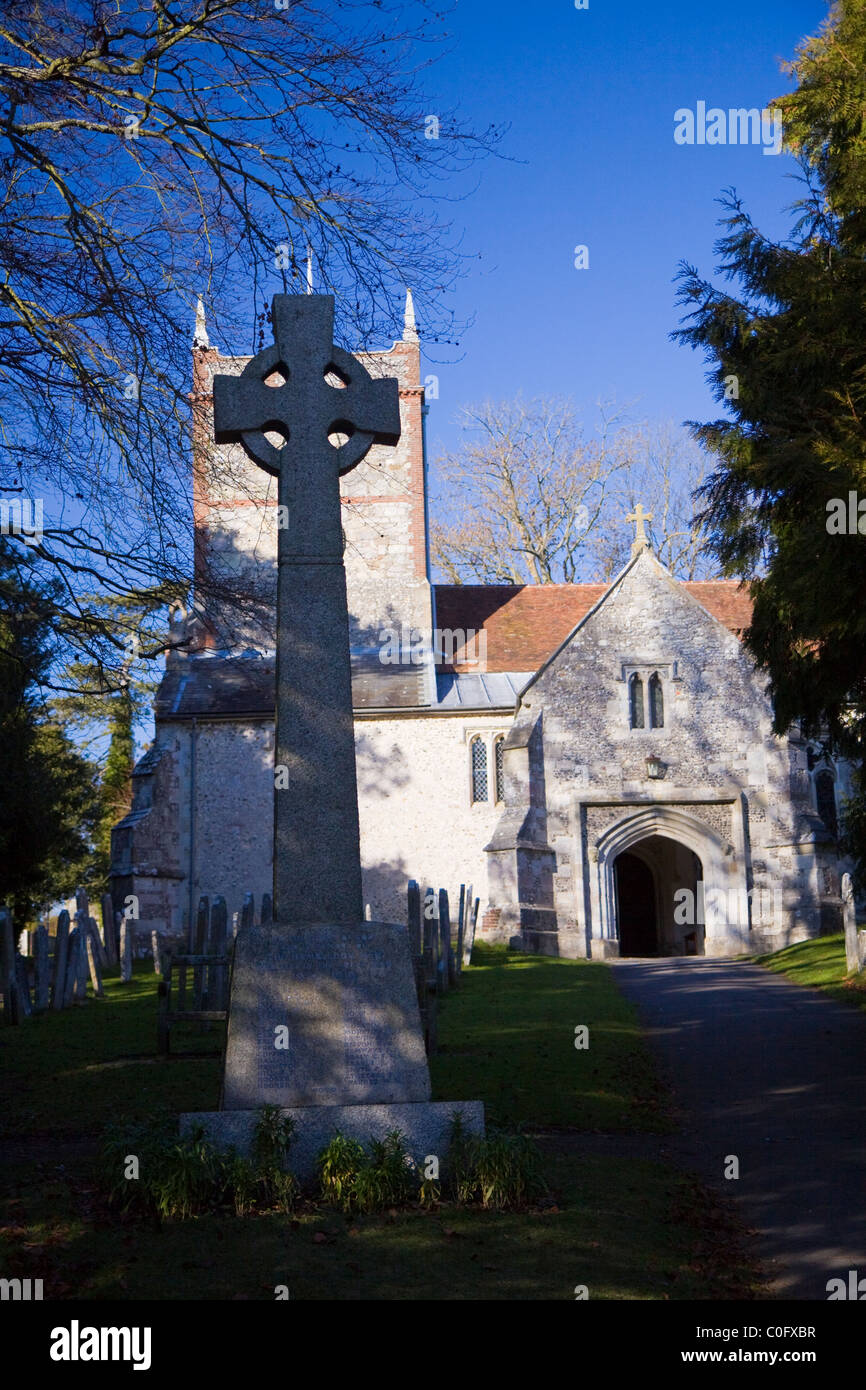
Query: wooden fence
[55, 971]
[438, 953]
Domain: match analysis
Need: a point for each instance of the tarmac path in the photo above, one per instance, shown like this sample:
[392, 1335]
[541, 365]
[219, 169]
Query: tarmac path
[775, 1075]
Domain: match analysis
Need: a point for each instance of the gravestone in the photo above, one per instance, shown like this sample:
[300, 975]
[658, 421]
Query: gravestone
[61, 954]
[43, 978]
[125, 950]
[7, 962]
[73, 968]
[323, 1017]
[469, 935]
[22, 987]
[109, 933]
[854, 940]
[83, 966]
[93, 960]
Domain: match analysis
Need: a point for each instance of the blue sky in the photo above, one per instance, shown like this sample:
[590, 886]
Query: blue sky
[590, 96]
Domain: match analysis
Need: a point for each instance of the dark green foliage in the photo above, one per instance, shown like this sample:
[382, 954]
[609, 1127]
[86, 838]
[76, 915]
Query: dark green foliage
[115, 793]
[338, 1166]
[180, 1178]
[496, 1170]
[354, 1180]
[787, 356]
[49, 798]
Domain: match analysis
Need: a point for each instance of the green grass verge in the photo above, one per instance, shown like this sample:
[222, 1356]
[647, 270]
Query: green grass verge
[507, 1036]
[820, 964]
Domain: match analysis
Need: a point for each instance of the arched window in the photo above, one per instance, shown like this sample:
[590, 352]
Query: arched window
[498, 768]
[478, 756]
[656, 702]
[825, 799]
[635, 702]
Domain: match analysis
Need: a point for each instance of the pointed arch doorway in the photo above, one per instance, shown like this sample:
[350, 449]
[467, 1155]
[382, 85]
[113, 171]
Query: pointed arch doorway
[682, 850]
[636, 917]
[649, 878]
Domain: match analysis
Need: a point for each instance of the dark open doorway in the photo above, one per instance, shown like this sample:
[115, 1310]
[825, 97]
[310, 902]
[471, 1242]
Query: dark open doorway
[636, 907]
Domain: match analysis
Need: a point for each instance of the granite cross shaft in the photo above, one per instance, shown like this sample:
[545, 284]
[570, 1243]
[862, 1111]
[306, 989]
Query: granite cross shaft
[285, 391]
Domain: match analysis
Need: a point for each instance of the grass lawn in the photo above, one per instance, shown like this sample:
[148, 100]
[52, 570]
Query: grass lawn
[821, 964]
[624, 1227]
[509, 1038]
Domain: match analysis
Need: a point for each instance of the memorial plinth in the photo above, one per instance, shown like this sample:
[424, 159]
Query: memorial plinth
[324, 1015]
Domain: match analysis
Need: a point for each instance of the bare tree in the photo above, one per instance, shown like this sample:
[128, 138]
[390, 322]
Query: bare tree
[520, 501]
[531, 499]
[154, 150]
[663, 470]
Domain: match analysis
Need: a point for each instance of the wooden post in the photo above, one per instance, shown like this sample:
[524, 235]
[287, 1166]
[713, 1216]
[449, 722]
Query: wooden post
[218, 946]
[200, 946]
[154, 946]
[61, 960]
[248, 912]
[461, 931]
[431, 960]
[416, 948]
[163, 1002]
[445, 952]
[414, 919]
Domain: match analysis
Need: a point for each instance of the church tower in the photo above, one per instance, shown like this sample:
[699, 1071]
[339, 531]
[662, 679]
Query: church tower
[236, 517]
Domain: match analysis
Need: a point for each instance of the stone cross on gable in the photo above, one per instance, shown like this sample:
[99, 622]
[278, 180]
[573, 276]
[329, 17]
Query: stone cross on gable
[304, 389]
[641, 539]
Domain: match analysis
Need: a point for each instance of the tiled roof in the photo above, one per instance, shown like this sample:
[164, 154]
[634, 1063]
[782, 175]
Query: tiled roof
[522, 627]
[524, 624]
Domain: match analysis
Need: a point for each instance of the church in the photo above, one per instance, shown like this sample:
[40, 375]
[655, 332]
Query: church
[596, 760]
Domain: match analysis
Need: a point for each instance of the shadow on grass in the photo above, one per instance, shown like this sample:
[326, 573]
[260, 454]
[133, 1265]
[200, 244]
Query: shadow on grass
[507, 1037]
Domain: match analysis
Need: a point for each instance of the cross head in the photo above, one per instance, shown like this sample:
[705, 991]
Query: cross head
[639, 516]
[302, 390]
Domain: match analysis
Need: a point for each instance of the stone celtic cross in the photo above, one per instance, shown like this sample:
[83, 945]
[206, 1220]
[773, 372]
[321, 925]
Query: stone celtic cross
[304, 389]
